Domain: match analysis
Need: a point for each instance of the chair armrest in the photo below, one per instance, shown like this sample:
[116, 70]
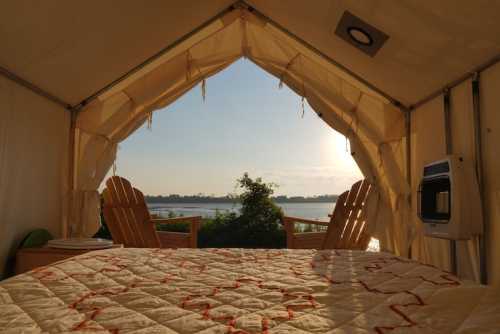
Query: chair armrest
[289, 223]
[195, 222]
[288, 219]
[190, 219]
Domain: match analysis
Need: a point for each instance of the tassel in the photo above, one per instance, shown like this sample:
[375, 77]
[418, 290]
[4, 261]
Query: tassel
[303, 98]
[346, 144]
[150, 120]
[114, 161]
[280, 85]
[204, 89]
[303, 107]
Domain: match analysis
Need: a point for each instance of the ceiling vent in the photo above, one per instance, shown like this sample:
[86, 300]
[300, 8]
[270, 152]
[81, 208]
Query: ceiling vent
[360, 34]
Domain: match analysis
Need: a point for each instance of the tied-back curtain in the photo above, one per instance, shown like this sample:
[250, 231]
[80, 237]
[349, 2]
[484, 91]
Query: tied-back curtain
[374, 128]
[96, 147]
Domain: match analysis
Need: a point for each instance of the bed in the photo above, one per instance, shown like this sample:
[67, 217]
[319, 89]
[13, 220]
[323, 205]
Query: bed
[242, 291]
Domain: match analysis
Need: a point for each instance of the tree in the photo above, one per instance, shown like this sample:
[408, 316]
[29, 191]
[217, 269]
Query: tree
[257, 226]
[256, 204]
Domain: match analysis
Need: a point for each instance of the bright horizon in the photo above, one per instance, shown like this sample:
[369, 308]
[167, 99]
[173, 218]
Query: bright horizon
[246, 124]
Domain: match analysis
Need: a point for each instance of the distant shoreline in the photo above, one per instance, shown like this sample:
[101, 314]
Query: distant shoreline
[166, 200]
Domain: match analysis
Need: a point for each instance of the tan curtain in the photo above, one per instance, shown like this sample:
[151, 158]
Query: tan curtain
[374, 128]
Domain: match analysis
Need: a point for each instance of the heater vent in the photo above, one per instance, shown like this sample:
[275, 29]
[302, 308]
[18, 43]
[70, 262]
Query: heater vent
[448, 199]
[360, 34]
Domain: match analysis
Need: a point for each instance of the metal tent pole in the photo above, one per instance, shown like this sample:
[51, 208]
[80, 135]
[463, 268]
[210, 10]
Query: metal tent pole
[476, 108]
[408, 164]
[449, 150]
[34, 88]
[454, 83]
[66, 230]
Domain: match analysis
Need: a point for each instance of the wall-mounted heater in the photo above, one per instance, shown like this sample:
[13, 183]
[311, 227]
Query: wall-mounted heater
[448, 200]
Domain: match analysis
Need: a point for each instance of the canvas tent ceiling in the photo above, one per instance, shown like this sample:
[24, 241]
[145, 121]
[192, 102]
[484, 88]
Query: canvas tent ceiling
[72, 50]
[431, 43]
[52, 44]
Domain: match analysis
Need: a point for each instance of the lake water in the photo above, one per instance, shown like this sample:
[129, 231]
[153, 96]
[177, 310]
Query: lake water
[318, 211]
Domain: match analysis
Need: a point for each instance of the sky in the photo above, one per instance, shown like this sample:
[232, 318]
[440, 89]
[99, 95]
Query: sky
[246, 124]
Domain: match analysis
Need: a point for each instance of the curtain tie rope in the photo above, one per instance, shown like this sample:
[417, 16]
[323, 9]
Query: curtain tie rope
[303, 107]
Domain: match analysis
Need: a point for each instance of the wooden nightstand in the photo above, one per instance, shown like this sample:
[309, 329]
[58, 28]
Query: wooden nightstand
[31, 258]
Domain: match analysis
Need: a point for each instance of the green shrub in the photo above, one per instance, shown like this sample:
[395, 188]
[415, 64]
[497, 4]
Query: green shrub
[173, 227]
[257, 226]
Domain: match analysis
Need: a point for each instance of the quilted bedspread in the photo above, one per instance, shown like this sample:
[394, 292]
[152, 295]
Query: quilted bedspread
[242, 291]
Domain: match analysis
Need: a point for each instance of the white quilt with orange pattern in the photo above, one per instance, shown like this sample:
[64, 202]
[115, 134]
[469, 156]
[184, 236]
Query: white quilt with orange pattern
[243, 291]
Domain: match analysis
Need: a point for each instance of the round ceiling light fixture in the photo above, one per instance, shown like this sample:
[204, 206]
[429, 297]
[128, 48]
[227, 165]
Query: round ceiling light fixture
[360, 36]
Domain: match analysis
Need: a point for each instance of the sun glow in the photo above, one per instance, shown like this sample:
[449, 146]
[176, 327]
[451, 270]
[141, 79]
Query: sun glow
[337, 151]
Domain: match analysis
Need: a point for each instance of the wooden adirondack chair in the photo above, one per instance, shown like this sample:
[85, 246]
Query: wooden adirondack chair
[130, 224]
[347, 226]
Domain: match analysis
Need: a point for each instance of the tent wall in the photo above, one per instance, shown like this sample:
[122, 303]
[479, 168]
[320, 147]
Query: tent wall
[428, 144]
[33, 162]
[490, 124]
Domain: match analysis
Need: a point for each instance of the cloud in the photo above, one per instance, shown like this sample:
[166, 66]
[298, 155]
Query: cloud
[311, 180]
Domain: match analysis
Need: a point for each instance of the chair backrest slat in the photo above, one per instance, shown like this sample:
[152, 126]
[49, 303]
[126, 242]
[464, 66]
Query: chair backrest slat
[123, 208]
[335, 228]
[116, 214]
[113, 219]
[148, 231]
[348, 224]
[348, 238]
[129, 209]
[349, 209]
[127, 215]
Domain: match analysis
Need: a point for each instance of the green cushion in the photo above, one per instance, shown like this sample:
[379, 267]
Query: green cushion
[36, 238]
